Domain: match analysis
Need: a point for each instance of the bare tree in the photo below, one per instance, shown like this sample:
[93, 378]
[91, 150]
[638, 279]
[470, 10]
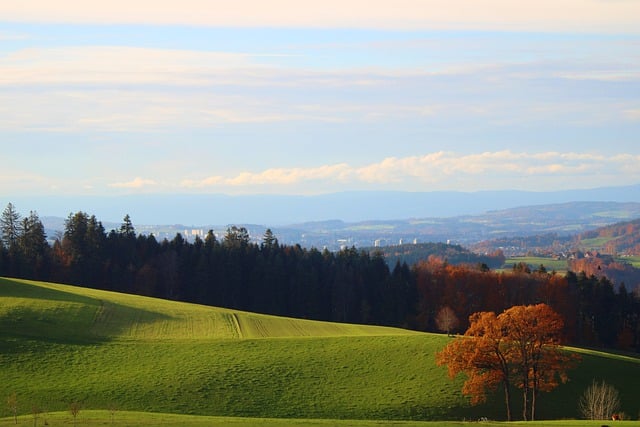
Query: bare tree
[12, 404]
[35, 411]
[113, 408]
[446, 320]
[600, 401]
[74, 408]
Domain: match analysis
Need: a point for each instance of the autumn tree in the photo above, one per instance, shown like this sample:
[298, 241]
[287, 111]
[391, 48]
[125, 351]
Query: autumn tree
[534, 331]
[446, 320]
[520, 346]
[484, 355]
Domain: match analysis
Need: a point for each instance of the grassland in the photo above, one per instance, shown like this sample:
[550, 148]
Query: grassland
[595, 243]
[60, 344]
[633, 260]
[126, 419]
[557, 265]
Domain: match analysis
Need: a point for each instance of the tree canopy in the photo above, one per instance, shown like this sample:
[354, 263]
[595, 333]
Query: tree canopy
[520, 347]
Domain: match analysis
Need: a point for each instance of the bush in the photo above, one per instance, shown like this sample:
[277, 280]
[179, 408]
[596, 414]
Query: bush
[599, 401]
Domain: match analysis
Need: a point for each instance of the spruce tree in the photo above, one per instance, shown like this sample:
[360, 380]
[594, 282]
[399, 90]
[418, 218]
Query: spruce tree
[10, 226]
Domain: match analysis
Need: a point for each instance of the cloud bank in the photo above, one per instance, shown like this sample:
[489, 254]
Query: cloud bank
[541, 15]
[443, 171]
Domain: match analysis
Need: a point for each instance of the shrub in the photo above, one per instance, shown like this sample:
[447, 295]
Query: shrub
[600, 401]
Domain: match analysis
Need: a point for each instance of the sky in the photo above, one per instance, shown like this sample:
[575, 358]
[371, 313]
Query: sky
[309, 97]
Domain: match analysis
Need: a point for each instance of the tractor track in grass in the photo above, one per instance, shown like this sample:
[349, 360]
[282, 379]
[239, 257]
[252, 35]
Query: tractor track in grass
[236, 323]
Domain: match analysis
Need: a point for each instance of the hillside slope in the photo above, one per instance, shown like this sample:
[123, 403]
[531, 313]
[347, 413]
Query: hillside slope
[60, 344]
[44, 310]
[620, 238]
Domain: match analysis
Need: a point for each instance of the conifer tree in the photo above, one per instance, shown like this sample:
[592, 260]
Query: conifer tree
[10, 226]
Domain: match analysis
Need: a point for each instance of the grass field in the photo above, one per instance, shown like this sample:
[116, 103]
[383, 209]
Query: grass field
[557, 265]
[60, 344]
[633, 260]
[126, 419]
[594, 243]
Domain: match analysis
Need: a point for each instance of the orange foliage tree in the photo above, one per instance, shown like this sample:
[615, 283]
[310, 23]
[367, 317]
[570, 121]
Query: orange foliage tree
[520, 346]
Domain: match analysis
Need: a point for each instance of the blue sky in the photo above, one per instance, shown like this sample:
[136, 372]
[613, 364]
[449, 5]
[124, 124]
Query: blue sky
[284, 97]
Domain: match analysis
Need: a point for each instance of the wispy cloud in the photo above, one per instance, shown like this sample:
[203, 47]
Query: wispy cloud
[120, 64]
[633, 114]
[444, 170]
[541, 15]
[12, 36]
[93, 88]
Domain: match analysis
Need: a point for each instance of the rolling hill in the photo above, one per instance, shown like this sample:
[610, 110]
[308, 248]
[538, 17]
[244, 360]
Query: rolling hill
[619, 238]
[60, 344]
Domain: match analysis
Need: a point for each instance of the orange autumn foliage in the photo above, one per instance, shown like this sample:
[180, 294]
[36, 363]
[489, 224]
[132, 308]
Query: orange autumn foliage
[518, 347]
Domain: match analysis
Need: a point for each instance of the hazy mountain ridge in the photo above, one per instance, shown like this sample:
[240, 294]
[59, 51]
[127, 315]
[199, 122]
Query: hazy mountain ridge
[499, 227]
[619, 238]
[281, 210]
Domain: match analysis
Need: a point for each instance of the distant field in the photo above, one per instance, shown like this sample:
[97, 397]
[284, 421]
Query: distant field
[595, 243]
[559, 265]
[621, 214]
[633, 260]
[60, 344]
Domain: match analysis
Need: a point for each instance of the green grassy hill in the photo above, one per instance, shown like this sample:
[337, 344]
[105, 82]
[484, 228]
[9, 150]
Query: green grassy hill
[60, 344]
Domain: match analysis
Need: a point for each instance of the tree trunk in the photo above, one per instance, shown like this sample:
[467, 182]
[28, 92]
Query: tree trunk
[507, 398]
[534, 394]
[525, 402]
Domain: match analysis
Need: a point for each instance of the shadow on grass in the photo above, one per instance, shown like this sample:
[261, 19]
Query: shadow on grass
[60, 317]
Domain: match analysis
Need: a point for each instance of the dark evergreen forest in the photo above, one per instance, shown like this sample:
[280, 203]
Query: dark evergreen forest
[347, 286]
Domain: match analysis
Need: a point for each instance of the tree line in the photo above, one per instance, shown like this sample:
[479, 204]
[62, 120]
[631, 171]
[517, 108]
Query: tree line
[347, 286]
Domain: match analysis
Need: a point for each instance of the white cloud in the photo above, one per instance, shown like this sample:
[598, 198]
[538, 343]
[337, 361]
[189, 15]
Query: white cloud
[210, 181]
[277, 176]
[445, 170]
[540, 15]
[135, 184]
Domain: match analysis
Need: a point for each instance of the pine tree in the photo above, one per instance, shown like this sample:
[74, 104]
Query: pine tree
[127, 229]
[269, 240]
[10, 226]
[33, 246]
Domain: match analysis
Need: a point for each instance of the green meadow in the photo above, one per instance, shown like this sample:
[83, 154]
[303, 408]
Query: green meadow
[633, 260]
[62, 344]
[557, 265]
[93, 418]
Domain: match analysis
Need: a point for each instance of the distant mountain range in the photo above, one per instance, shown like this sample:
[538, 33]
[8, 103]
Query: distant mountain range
[527, 227]
[281, 210]
[565, 219]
